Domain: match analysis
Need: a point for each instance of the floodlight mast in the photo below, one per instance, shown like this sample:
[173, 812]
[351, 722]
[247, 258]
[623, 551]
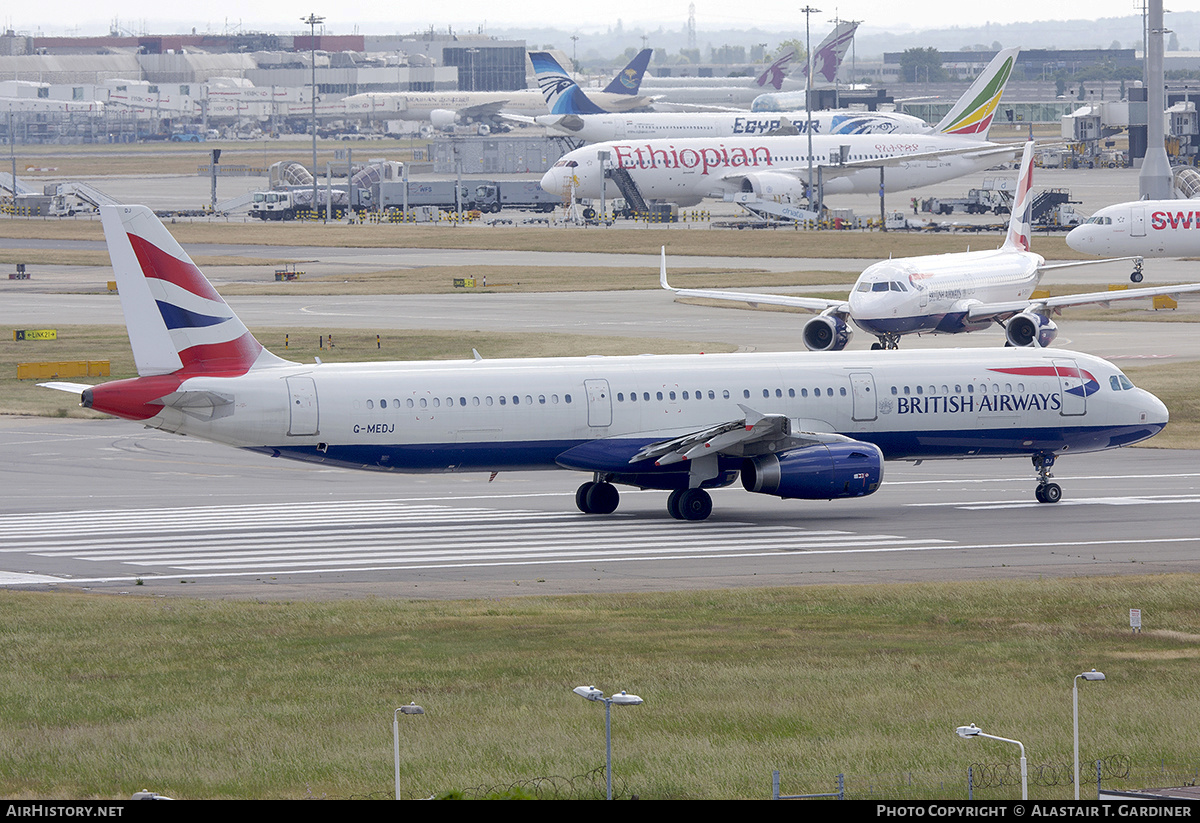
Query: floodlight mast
[622, 698]
[1093, 675]
[411, 708]
[968, 732]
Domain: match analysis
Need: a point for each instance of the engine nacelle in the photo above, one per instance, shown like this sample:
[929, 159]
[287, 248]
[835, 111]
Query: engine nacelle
[827, 332]
[1030, 329]
[443, 118]
[819, 472]
[773, 184]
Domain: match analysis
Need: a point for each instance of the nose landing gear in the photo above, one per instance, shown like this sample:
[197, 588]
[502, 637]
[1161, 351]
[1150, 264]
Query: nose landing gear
[1046, 492]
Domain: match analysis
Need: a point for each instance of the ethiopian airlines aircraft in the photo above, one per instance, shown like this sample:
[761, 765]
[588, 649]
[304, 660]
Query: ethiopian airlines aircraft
[1149, 228]
[687, 170]
[795, 425]
[947, 293]
[598, 128]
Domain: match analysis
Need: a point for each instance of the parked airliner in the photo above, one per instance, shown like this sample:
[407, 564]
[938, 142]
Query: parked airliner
[794, 425]
[1149, 228]
[598, 128]
[946, 293]
[687, 170]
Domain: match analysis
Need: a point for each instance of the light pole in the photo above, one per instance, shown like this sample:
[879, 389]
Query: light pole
[411, 708]
[621, 699]
[1092, 675]
[313, 21]
[808, 12]
[967, 732]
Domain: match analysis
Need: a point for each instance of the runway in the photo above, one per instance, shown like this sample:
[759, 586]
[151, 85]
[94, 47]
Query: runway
[106, 506]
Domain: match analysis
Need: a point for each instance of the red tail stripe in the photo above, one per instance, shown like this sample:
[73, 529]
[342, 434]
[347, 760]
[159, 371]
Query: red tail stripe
[160, 265]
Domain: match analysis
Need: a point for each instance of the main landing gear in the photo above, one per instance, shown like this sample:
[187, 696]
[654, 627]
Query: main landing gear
[689, 504]
[601, 497]
[1047, 492]
[598, 497]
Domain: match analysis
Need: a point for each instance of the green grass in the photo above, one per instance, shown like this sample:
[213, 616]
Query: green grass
[107, 695]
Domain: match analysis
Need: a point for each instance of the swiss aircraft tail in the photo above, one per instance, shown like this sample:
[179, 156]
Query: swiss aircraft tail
[176, 320]
[828, 57]
[1020, 224]
[563, 95]
[973, 112]
[629, 79]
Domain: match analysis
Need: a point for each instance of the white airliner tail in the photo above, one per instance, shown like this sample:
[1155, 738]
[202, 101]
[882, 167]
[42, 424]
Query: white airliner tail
[1020, 224]
[973, 112]
[175, 318]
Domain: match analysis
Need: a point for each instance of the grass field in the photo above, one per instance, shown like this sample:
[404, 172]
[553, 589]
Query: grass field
[680, 239]
[218, 699]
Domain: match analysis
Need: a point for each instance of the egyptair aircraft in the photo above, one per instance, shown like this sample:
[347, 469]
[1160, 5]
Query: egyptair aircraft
[794, 425]
[597, 128]
[1148, 228]
[687, 170]
[946, 293]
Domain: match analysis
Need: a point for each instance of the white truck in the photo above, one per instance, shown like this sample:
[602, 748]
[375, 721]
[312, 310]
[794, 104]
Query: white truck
[517, 194]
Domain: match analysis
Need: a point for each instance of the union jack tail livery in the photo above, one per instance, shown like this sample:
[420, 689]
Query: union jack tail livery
[177, 322]
[974, 111]
[828, 57]
[1020, 224]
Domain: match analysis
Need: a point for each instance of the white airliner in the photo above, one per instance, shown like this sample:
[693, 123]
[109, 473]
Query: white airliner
[687, 170]
[794, 425]
[947, 293]
[1148, 228]
[598, 128]
[445, 109]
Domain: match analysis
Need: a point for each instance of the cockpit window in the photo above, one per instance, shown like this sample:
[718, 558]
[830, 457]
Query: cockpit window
[1099, 221]
[881, 286]
[1120, 382]
[864, 287]
[898, 286]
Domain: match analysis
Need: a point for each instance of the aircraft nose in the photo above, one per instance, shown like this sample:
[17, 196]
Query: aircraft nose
[1079, 239]
[551, 181]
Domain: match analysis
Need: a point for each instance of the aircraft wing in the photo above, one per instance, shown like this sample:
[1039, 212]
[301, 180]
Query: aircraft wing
[813, 304]
[1055, 305]
[74, 388]
[756, 433]
[517, 118]
[829, 171]
[482, 110]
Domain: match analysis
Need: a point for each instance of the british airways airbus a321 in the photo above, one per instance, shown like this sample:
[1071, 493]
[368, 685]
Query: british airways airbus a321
[947, 293]
[812, 425]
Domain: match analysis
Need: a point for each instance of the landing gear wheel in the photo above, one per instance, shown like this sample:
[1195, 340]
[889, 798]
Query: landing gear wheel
[1048, 493]
[581, 495]
[1136, 277]
[602, 498]
[695, 504]
[673, 504]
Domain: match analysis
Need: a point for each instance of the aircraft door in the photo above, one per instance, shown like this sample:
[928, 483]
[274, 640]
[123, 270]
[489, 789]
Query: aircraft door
[599, 401]
[1073, 385]
[865, 406]
[1137, 222]
[302, 405]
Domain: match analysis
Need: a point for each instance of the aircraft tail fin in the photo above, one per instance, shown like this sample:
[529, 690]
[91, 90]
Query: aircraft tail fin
[1020, 224]
[973, 112]
[563, 95]
[774, 73]
[176, 320]
[828, 56]
[629, 79]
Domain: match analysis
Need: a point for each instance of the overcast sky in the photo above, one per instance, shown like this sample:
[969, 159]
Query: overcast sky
[75, 17]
